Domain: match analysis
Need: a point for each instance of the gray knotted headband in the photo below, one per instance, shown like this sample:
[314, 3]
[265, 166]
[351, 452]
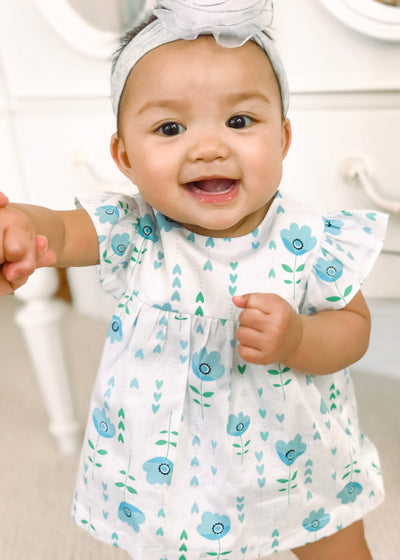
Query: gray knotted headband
[231, 22]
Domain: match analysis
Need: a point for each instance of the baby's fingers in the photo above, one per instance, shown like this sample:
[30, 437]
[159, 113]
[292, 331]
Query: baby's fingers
[44, 255]
[251, 354]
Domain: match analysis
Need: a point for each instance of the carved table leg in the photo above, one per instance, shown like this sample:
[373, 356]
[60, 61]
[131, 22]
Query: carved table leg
[40, 320]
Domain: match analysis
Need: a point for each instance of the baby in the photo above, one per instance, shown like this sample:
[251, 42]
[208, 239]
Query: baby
[223, 420]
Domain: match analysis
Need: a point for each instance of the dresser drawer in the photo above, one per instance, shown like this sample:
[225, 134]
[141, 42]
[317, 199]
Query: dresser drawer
[324, 139]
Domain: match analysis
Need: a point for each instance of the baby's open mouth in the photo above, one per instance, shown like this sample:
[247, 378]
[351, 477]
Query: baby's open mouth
[217, 189]
[212, 185]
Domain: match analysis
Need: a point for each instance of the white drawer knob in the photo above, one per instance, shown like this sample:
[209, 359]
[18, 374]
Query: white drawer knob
[355, 169]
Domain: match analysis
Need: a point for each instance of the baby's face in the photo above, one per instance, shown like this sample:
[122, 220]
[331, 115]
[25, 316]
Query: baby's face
[202, 136]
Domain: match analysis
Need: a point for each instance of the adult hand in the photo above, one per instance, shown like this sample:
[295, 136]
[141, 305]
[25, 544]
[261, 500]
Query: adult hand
[21, 249]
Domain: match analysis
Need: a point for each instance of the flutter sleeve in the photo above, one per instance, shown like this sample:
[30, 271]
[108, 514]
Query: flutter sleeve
[350, 244]
[116, 218]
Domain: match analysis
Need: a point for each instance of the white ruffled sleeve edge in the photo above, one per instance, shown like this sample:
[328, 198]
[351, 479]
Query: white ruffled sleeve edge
[349, 247]
[112, 215]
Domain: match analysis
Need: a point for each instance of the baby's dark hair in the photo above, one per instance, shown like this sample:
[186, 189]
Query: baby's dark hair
[128, 36]
[124, 42]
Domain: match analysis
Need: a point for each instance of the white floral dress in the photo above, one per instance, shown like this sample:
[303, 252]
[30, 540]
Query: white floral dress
[189, 451]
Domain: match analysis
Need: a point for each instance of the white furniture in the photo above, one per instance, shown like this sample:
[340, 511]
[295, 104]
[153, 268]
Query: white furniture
[56, 121]
[53, 106]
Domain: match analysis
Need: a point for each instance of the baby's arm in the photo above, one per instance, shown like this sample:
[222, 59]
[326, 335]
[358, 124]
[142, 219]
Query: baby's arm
[271, 331]
[33, 236]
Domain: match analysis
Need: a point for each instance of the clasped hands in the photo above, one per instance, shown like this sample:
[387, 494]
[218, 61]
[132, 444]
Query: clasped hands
[21, 249]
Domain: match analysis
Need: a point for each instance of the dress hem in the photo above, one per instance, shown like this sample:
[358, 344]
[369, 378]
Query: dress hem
[258, 553]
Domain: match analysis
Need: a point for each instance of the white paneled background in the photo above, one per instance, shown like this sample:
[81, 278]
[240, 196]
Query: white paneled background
[345, 103]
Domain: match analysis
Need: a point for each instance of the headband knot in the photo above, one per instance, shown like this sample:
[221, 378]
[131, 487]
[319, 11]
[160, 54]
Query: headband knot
[230, 24]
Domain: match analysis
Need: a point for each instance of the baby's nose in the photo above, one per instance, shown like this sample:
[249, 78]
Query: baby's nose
[208, 146]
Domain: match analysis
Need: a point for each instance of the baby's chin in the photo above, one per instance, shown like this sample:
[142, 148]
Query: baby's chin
[223, 228]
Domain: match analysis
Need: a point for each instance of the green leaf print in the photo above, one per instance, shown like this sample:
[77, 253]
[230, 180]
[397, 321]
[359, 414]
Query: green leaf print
[127, 477]
[282, 383]
[347, 291]
[287, 268]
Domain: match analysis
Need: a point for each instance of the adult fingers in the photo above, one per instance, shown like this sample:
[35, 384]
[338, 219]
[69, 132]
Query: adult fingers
[3, 200]
[19, 250]
[5, 286]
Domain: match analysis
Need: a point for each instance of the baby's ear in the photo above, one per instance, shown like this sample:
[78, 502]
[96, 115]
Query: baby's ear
[119, 155]
[286, 137]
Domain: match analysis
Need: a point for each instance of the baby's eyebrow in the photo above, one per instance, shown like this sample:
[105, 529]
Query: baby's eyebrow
[247, 96]
[160, 104]
[229, 99]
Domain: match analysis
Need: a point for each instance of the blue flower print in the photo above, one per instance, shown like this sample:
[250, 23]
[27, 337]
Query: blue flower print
[350, 492]
[105, 428]
[298, 240]
[166, 223]
[237, 425]
[288, 452]
[316, 521]
[214, 526]
[131, 515]
[147, 228]
[328, 270]
[119, 243]
[107, 214]
[207, 366]
[159, 470]
[333, 227]
[115, 329]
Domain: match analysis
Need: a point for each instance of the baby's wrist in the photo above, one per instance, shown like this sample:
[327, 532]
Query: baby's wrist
[296, 336]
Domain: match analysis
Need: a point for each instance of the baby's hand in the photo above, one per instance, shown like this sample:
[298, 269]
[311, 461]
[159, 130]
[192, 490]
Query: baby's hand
[270, 330]
[21, 249]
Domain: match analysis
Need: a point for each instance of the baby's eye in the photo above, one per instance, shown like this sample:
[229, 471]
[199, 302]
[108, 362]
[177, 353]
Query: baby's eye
[239, 121]
[171, 129]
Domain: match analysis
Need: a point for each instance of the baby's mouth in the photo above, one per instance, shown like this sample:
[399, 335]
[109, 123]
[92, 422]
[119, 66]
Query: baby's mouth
[217, 189]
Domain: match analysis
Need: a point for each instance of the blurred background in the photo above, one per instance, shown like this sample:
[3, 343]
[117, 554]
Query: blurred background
[343, 62]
